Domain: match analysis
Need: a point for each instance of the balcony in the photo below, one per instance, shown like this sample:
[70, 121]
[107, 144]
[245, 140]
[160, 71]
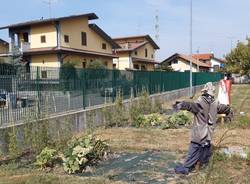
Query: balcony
[25, 46]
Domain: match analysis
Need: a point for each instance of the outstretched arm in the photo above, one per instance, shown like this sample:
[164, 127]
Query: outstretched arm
[189, 106]
[225, 109]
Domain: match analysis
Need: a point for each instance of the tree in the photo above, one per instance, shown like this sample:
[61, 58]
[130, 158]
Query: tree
[238, 60]
[68, 76]
[96, 65]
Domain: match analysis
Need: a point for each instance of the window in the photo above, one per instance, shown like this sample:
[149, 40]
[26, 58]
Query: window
[43, 39]
[106, 63]
[146, 52]
[175, 62]
[114, 66]
[216, 68]
[143, 67]
[84, 39]
[104, 46]
[26, 37]
[152, 56]
[44, 74]
[66, 38]
[83, 64]
[136, 53]
[136, 66]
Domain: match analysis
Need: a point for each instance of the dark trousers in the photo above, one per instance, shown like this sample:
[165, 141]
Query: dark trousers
[198, 152]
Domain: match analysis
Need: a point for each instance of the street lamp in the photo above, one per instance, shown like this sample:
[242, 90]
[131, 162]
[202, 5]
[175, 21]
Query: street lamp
[191, 47]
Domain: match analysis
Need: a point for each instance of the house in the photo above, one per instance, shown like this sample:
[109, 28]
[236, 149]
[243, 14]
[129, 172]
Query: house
[136, 53]
[4, 47]
[215, 63]
[52, 42]
[181, 63]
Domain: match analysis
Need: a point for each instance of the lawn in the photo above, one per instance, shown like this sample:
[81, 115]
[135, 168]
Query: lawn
[151, 154]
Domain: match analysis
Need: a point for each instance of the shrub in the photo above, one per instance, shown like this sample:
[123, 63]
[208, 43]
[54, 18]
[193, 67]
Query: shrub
[116, 115]
[81, 152]
[46, 158]
[181, 118]
[139, 121]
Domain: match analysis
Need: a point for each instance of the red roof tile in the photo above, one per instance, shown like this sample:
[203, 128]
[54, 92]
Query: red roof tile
[203, 56]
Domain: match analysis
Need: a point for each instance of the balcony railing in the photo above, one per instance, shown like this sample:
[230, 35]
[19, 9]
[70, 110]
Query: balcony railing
[24, 46]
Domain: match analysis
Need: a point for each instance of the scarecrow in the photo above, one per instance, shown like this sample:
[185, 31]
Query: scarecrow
[205, 111]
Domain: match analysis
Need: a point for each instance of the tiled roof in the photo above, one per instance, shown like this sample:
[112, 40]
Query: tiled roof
[90, 16]
[207, 57]
[194, 61]
[130, 46]
[147, 37]
[188, 59]
[203, 56]
[3, 42]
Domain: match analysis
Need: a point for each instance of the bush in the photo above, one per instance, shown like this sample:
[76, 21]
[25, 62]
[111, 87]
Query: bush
[116, 115]
[82, 152]
[181, 118]
[46, 158]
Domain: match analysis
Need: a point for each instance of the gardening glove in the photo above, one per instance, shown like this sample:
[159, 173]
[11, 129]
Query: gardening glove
[230, 116]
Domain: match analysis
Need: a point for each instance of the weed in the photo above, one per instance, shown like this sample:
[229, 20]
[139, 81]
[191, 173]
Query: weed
[46, 158]
[13, 148]
[82, 151]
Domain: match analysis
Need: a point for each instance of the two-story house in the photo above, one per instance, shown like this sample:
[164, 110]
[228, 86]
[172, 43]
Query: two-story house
[136, 52]
[4, 47]
[52, 42]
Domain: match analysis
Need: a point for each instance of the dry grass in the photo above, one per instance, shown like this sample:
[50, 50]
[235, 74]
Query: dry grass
[132, 139]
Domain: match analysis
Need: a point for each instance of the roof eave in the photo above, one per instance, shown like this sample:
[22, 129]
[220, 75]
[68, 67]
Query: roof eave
[91, 16]
[104, 35]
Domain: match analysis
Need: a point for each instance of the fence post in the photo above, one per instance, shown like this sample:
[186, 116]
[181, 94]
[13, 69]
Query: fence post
[83, 81]
[38, 92]
[113, 86]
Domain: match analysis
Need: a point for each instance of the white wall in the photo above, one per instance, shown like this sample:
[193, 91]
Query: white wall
[214, 62]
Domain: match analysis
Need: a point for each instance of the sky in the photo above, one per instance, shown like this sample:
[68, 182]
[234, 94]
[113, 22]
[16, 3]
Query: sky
[217, 24]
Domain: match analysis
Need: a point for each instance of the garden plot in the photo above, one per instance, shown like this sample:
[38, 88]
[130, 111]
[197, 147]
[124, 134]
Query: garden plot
[145, 167]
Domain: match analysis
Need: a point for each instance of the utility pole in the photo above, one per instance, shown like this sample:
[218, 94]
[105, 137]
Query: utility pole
[191, 48]
[157, 26]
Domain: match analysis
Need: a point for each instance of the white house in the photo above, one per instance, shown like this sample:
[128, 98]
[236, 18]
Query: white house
[215, 63]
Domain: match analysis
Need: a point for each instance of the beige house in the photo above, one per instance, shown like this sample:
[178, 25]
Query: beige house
[52, 42]
[136, 52]
[4, 47]
[181, 63]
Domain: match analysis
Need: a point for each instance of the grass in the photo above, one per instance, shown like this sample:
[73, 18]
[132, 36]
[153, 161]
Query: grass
[15, 173]
[226, 170]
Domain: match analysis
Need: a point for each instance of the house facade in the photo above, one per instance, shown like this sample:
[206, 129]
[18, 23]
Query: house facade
[52, 42]
[181, 63]
[136, 53]
[215, 63]
[4, 47]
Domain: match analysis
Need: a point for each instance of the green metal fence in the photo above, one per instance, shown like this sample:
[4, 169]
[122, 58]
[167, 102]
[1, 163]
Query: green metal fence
[37, 91]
